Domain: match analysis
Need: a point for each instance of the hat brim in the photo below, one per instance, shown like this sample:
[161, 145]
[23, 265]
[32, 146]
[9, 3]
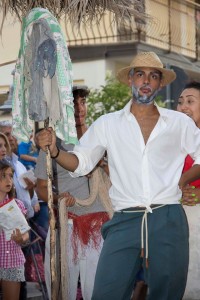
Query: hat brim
[168, 75]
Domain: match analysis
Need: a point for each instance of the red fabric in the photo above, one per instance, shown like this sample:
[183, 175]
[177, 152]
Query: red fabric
[188, 164]
[30, 269]
[87, 229]
[79, 294]
[5, 201]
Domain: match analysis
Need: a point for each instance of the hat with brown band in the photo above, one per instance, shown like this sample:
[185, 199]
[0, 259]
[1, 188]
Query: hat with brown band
[147, 60]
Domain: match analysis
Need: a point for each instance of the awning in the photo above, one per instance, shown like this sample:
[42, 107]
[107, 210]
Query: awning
[193, 75]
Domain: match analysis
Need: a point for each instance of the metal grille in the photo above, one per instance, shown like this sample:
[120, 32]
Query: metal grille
[171, 25]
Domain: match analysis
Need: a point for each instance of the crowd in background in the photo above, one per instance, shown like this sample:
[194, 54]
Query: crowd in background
[23, 172]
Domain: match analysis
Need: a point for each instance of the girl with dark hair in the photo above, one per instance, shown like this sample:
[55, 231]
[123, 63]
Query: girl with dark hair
[11, 256]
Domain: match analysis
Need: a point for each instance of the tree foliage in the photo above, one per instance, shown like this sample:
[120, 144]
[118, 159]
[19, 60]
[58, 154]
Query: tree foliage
[111, 97]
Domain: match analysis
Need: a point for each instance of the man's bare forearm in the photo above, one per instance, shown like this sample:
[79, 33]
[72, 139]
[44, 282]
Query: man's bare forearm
[68, 161]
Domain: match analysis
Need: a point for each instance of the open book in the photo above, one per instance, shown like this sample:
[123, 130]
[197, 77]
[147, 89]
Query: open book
[11, 218]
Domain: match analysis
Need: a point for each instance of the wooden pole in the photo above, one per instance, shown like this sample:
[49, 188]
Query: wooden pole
[52, 225]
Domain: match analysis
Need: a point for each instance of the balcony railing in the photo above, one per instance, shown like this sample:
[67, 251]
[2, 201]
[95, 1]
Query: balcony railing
[171, 25]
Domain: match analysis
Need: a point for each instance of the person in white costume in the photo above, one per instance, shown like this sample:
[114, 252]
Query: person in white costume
[84, 223]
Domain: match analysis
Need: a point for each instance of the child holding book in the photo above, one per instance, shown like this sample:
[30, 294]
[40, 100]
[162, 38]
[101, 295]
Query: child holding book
[11, 256]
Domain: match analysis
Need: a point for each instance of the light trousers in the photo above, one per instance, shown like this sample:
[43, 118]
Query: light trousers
[85, 266]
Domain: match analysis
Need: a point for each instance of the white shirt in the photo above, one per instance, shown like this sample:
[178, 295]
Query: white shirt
[141, 174]
[22, 193]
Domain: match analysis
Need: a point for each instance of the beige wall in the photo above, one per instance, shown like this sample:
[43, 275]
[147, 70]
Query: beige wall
[9, 47]
[156, 34]
[10, 41]
[182, 26]
[5, 116]
[157, 30]
[183, 31]
[91, 33]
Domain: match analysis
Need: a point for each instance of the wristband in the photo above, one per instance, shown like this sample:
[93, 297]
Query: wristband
[56, 154]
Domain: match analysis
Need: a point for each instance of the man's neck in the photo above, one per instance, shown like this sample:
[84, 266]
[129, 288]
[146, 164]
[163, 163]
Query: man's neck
[142, 110]
[81, 129]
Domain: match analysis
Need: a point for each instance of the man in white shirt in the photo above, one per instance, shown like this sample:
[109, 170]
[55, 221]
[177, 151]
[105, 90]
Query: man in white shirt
[146, 147]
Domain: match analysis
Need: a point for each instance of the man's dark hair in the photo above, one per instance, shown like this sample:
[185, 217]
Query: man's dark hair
[81, 93]
[192, 85]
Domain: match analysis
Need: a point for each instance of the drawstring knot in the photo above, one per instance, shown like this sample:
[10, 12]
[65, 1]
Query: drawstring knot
[144, 222]
[145, 225]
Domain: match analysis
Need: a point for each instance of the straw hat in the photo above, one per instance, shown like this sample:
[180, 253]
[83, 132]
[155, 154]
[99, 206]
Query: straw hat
[147, 60]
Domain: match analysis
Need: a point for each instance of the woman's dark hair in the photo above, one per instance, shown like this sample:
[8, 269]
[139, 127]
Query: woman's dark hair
[192, 85]
[4, 165]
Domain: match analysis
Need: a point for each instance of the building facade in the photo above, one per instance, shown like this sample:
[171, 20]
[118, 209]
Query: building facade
[171, 29]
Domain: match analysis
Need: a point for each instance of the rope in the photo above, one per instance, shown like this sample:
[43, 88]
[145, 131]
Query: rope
[144, 221]
[63, 247]
[99, 184]
[52, 224]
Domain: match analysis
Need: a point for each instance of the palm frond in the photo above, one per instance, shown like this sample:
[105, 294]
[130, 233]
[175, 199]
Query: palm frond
[76, 11]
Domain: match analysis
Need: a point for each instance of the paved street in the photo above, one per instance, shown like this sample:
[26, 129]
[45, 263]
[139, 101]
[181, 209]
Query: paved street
[33, 293]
